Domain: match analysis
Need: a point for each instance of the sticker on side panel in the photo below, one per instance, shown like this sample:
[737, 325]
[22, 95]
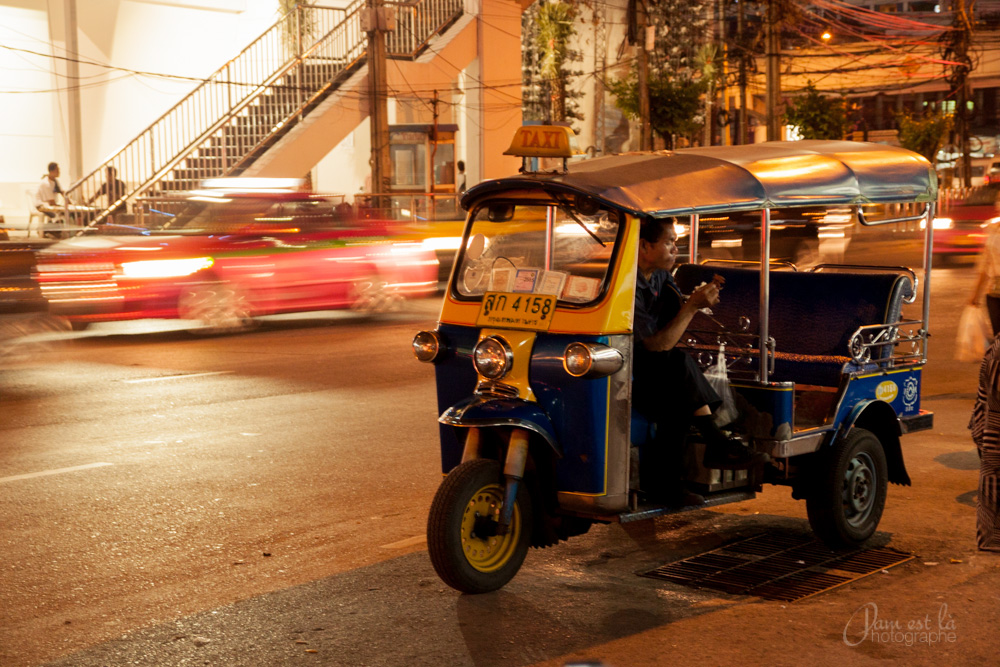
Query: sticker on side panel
[911, 392]
[887, 391]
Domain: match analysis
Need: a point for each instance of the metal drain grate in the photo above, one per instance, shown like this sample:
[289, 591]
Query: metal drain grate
[777, 566]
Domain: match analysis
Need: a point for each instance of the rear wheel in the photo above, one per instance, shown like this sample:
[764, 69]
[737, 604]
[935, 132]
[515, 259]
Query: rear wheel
[220, 307]
[466, 549]
[846, 505]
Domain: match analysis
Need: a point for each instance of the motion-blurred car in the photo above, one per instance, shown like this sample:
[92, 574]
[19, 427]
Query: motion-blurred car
[960, 228]
[24, 313]
[220, 257]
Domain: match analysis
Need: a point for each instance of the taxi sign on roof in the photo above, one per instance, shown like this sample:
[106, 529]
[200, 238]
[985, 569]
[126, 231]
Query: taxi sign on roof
[543, 141]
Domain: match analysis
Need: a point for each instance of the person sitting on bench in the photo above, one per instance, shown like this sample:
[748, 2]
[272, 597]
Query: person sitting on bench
[668, 386]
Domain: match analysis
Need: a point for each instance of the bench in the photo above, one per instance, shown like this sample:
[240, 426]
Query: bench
[813, 316]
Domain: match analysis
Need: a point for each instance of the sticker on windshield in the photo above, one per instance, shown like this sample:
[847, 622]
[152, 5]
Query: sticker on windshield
[517, 311]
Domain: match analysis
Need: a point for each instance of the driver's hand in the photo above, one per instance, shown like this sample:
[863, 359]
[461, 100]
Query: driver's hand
[705, 296]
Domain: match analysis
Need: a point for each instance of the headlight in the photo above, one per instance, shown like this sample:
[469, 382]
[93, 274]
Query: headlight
[165, 268]
[591, 360]
[493, 358]
[943, 223]
[426, 345]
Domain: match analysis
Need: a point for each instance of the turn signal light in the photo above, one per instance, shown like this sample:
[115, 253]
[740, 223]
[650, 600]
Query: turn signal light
[426, 345]
[591, 360]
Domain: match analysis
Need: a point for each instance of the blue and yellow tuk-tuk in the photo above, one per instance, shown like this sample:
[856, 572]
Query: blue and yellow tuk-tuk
[533, 351]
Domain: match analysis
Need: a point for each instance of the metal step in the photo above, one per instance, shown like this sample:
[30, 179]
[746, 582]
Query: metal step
[651, 511]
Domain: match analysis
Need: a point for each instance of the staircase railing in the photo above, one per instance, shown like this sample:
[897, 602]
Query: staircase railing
[241, 109]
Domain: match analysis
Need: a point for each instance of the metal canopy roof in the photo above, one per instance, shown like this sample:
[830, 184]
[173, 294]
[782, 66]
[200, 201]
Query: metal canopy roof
[726, 178]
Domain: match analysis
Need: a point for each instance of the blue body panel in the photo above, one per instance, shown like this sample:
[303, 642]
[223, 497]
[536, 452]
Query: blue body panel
[578, 408]
[574, 409]
[776, 400]
[456, 380]
[899, 388]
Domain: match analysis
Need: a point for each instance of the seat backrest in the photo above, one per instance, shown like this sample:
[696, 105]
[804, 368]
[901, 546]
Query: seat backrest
[810, 313]
[740, 295]
[817, 313]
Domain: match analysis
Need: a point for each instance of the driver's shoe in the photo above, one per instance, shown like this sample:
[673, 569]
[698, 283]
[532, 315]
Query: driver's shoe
[732, 455]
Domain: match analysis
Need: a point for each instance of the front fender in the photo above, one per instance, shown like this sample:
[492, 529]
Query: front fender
[492, 411]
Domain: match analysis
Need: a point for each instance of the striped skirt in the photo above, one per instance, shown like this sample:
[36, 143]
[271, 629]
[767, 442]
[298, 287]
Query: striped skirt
[988, 511]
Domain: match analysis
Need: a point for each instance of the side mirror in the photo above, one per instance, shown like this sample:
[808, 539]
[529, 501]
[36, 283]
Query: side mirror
[476, 247]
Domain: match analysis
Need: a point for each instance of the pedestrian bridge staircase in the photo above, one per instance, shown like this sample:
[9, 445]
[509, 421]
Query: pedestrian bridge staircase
[241, 112]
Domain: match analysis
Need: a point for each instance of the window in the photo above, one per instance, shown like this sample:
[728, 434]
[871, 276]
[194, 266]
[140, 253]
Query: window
[542, 249]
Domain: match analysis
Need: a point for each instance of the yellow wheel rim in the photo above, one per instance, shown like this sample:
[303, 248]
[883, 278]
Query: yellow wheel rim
[488, 553]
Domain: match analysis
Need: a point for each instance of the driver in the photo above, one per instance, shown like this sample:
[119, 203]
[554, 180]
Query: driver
[668, 386]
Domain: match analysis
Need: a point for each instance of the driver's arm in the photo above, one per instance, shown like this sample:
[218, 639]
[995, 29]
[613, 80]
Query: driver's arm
[668, 336]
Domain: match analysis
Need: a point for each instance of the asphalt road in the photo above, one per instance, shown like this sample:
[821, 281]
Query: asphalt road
[261, 500]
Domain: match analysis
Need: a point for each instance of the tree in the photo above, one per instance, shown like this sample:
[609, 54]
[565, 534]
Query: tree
[681, 70]
[675, 104]
[924, 134]
[818, 116]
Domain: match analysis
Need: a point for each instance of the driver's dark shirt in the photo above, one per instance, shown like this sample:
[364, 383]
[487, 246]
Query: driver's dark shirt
[657, 301]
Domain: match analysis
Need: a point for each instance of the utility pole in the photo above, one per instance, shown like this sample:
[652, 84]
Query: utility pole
[957, 50]
[73, 107]
[600, 63]
[772, 39]
[377, 23]
[724, 135]
[646, 130]
[744, 136]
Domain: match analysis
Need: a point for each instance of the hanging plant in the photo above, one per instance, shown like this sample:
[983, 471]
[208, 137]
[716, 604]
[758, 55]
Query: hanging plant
[549, 26]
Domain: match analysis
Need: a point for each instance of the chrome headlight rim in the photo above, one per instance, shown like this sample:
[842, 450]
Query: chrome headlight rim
[426, 345]
[598, 360]
[502, 353]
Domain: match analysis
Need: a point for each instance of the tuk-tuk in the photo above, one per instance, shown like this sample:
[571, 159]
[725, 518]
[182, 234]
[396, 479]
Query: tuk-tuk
[533, 350]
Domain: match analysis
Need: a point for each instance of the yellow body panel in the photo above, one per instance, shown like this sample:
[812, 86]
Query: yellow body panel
[520, 343]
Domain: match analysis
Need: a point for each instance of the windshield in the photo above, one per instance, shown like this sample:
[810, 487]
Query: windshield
[540, 249]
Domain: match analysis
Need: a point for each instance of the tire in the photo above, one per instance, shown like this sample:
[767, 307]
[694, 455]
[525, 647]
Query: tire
[846, 505]
[219, 306]
[371, 294]
[468, 561]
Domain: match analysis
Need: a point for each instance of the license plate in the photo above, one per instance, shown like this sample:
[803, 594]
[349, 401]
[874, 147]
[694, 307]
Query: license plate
[517, 311]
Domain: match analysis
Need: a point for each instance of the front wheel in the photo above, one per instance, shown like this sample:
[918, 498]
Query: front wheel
[220, 307]
[846, 505]
[371, 294]
[467, 551]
